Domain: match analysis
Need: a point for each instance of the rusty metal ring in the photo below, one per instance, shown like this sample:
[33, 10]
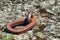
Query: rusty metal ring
[16, 22]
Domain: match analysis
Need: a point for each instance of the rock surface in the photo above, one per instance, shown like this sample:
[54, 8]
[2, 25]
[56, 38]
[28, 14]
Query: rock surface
[47, 15]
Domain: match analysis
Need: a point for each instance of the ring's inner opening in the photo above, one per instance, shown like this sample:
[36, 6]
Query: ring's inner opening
[21, 25]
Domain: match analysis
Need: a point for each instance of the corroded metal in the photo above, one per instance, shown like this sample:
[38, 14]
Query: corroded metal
[19, 21]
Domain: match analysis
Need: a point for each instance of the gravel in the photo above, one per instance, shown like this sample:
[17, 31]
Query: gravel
[47, 15]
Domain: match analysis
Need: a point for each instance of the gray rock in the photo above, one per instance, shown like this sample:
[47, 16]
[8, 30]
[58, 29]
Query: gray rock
[41, 35]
